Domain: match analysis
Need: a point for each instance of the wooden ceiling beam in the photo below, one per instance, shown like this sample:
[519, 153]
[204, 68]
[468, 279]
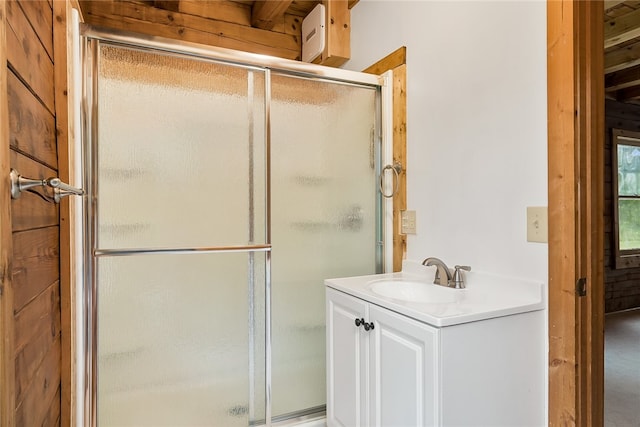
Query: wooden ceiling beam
[622, 58]
[267, 13]
[622, 79]
[227, 11]
[173, 6]
[129, 15]
[608, 4]
[621, 29]
[337, 49]
[628, 94]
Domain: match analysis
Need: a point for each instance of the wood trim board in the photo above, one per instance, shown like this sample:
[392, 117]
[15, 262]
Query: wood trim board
[396, 61]
[575, 98]
[591, 190]
[64, 98]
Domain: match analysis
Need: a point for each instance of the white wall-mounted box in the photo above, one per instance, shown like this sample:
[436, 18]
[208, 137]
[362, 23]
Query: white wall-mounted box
[313, 33]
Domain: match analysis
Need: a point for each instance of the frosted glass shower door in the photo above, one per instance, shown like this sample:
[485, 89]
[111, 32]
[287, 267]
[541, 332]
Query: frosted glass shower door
[178, 199]
[324, 221]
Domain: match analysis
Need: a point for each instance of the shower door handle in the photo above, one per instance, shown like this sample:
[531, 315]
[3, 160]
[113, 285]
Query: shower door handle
[61, 189]
[57, 183]
[20, 183]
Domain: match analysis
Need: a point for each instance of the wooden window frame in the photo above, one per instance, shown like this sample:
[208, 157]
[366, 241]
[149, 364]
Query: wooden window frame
[624, 258]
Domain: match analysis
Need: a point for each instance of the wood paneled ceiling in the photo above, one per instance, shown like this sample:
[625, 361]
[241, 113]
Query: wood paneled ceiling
[622, 50]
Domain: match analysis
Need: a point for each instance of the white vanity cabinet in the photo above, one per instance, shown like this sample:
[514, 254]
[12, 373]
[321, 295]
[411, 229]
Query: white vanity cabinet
[385, 376]
[405, 372]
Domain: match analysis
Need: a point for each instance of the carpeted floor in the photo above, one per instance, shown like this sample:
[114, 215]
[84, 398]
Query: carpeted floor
[622, 369]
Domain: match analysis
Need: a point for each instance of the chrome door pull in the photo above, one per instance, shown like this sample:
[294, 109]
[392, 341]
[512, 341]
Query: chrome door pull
[57, 183]
[20, 183]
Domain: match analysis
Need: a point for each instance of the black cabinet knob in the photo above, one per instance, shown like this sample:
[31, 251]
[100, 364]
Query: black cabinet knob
[367, 326]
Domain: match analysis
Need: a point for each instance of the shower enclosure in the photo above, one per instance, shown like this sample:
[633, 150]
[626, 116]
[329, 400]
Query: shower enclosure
[222, 188]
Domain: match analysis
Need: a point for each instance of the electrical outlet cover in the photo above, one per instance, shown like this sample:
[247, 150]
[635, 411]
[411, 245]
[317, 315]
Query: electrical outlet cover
[408, 222]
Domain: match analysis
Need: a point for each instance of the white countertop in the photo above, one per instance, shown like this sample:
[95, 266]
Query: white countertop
[485, 296]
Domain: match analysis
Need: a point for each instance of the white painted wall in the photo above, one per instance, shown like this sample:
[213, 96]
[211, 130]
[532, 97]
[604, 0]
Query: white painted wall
[477, 125]
[477, 134]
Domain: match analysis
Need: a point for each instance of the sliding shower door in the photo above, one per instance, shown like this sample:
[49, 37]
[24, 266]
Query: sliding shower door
[178, 194]
[220, 195]
[323, 202]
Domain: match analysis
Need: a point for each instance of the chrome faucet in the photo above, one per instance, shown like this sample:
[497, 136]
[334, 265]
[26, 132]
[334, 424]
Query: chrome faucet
[443, 274]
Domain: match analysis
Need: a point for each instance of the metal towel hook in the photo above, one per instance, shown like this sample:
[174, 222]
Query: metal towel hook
[20, 183]
[397, 169]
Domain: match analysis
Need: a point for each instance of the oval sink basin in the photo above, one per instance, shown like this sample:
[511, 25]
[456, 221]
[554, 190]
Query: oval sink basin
[411, 291]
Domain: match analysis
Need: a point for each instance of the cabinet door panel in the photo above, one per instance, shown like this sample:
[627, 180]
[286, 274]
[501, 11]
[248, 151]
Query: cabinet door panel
[347, 355]
[404, 372]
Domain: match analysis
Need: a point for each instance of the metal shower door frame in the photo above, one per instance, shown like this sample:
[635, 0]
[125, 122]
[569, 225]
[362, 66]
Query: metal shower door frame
[90, 38]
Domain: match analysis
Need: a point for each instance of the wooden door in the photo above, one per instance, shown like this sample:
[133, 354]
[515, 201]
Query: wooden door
[346, 361]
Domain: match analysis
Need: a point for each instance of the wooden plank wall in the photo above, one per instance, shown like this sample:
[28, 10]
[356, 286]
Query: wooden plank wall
[7, 377]
[622, 286]
[35, 223]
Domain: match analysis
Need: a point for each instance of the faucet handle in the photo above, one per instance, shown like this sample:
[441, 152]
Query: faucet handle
[457, 281]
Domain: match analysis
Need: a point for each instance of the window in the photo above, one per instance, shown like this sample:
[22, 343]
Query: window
[626, 191]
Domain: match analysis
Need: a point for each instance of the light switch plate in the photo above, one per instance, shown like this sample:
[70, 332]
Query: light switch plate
[537, 224]
[408, 222]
